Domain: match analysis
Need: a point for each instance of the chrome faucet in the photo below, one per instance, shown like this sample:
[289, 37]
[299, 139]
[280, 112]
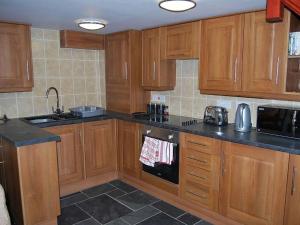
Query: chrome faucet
[58, 110]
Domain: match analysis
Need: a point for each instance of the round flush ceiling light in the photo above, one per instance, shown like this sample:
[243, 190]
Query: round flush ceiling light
[177, 5]
[90, 24]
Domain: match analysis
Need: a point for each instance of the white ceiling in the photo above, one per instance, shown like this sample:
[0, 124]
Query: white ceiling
[120, 14]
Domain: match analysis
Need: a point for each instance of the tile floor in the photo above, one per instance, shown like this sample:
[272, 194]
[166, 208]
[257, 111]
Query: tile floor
[117, 203]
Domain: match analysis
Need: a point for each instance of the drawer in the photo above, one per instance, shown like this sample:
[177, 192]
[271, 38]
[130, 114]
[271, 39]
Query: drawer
[199, 159]
[198, 175]
[197, 193]
[199, 143]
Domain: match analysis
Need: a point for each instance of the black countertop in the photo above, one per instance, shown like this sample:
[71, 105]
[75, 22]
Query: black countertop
[21, 133]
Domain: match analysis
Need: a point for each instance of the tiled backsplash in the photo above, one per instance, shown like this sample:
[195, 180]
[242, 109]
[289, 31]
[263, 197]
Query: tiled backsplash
[186, 99]
[79, 76]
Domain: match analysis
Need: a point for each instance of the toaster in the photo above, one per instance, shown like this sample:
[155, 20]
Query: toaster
[216, 115]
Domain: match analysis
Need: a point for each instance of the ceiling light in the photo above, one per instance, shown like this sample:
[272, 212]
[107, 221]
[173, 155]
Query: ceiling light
[177, 5]
[91, 24]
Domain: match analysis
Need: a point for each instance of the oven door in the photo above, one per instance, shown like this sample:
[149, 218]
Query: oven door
[164, 171]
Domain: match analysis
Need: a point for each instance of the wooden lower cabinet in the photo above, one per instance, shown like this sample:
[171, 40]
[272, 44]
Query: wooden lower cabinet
[129, 144]
[99, 147]
[200, 170]
[292, 208]
[253, 184]
[70, 153]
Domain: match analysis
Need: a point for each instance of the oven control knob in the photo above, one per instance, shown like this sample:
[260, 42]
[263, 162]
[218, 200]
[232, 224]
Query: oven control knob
[170, 136]
[148, 131]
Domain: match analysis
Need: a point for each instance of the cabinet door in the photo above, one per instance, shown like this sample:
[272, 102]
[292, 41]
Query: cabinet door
[292, 209]
[15, 58]
[69, 153]
[264, 55]
[157, 74]
[221, 54]
[253, 184]
[99, 146]
[150, 56]
[182, 41]
[129, 148]
[117, 64]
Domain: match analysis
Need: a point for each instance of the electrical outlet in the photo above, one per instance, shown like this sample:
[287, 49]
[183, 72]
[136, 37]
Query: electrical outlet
[158, 98]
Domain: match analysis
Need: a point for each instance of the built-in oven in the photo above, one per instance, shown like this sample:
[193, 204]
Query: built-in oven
[164, 171]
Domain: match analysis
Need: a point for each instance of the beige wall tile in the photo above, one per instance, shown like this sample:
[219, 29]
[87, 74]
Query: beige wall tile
[79, 86]
[78, 68]
[37, 33]
[90, 68]
[52, 68]
[80, 100]
[186, 107]
[40, 87]
[38, 50]
[187, 87]
[40, 106]
[39, 68]
[65, 53]
[92, 99]
[51, 49]
[68, 101]
[25, 106]
[91, 85]
[66, 68]
[51, 35]
[66, 87]
[9, 107]
[78, 54]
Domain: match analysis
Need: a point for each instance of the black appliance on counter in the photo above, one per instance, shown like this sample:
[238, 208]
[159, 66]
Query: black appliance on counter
[164, 171]
[216, 115]
[157, 108]
[278, 120]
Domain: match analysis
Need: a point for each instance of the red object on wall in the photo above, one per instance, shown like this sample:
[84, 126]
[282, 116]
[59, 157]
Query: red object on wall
[275, 8]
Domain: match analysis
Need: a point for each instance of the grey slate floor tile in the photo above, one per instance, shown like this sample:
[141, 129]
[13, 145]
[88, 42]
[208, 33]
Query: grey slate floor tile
[90, 221]
[116, 193]
[71, 215]
[140, 215]
[137, 199]
[189, 219]
[117, 222]
[168, 209]
[123, 186]
[98, 190]
[72, 199]
[203, 222]
[104, 209]
[161, 219]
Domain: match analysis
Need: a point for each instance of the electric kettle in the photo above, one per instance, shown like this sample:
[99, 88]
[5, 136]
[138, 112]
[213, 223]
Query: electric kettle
[243, 118]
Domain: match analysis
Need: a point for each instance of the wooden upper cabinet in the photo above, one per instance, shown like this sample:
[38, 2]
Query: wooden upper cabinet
[99, 147]
[69, 153]
[129, 145]
[292, 208]
[221, 53]
[157, 74]
[15, 58]
[181, 41]
[116, 46]
[253, 185]
[124, 92]
[265, 54]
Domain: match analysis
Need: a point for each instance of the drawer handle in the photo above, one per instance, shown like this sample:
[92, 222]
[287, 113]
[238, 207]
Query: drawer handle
[197, 143]
[198, 195]
[195, 175]
[199, 160]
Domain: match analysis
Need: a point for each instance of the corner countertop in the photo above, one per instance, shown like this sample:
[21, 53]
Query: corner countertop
[21, 133]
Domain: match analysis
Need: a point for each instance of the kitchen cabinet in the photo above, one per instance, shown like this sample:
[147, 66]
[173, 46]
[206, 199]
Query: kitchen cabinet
[129, 147]
[70, 153]
[123, 54]
[99, 147]
[15, 58]
[264, 54]
[181, 41]
[253, 184]
[292, 208]
[158, 74]
[200, 170]
[221, 53]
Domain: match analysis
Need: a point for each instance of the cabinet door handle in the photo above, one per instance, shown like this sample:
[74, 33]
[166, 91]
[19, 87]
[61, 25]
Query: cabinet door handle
[235, 69]
[293, 181]
[154, 70]
[222, 164]
[126, 71]
[27, 70]
[277, 70]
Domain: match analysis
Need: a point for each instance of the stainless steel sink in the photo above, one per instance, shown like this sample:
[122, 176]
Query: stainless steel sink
[50, 118]
[38, 121]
